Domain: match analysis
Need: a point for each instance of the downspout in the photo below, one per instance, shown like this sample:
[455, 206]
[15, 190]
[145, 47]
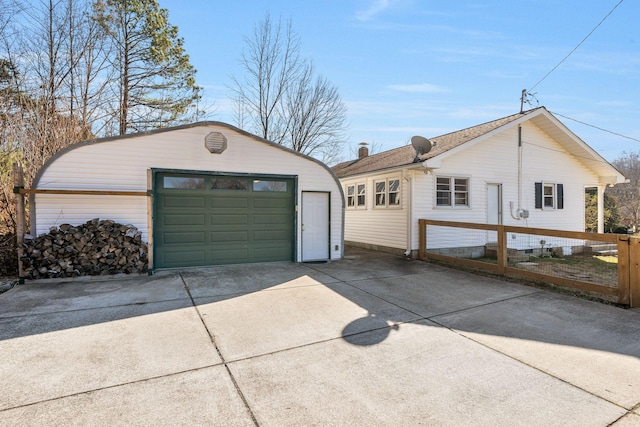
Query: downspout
[519, 170]
[408, 178]
[520, 213]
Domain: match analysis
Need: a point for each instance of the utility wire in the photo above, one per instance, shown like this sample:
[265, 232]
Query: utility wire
[579, 44]
[596, 127]
[527, 93]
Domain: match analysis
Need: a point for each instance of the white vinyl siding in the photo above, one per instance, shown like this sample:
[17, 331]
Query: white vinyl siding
[378, 226]
[542, 157]
[121, 164]
[492, 160]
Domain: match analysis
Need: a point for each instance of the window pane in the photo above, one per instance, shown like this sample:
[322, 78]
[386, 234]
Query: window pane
[259, 185]
[443, 184]
[229, 183]
[351, 198]
[461, 199]
[443, 199]
[381, 193]
[361, 195]
[183, 182]
[461, 191]
[394, 192]
[549, 195]
[461, 184]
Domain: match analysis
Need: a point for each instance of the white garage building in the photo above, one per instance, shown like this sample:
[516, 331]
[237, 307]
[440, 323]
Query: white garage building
[201, 194]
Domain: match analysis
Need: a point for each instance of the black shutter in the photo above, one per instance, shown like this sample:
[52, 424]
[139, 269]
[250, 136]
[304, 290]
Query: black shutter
[538, 195]
[560, 190]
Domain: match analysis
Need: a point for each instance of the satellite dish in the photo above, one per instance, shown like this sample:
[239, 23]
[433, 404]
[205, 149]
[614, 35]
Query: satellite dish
[421, 144]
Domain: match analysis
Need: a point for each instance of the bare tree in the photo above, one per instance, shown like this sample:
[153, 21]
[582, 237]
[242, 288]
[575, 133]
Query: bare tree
[48, 56]
[280, 98]
[40, 49]
[628, 194]
[271, 61]
[315, 116]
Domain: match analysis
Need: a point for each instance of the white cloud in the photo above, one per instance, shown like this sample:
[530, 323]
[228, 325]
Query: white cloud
[376, 7]
[418, 88]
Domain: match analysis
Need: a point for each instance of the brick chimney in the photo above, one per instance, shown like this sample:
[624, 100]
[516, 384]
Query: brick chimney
[363, 151]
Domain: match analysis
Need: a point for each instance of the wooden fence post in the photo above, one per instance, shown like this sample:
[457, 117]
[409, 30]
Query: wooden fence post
[624, 269]
[422, 238]
[634, 272]
[502, 251]
[18, 184]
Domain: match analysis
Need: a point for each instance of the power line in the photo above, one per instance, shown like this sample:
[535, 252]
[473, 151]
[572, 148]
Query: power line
[596, 127]
[579, 44]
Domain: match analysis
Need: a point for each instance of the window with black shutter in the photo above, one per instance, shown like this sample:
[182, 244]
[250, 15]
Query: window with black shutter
[549, 195]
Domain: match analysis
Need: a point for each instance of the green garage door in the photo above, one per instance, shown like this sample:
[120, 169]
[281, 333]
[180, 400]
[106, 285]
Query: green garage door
[214, 219]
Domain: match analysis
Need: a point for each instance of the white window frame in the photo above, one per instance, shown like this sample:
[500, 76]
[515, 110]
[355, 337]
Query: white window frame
[359, 200]
[452, 192]
[553, 197]
[351, 196]
[385, 193]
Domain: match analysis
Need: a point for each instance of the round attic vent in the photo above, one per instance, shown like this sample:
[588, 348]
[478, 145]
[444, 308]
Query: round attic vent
[215, 142]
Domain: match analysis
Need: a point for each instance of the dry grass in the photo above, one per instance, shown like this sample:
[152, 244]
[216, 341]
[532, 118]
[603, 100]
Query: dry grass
[601, 270]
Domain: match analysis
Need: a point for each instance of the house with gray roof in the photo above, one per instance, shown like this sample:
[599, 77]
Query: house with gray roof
[527, 169]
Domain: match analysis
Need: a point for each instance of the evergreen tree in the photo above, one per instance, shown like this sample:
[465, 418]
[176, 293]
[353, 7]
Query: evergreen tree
[611, 213]
[155, 84]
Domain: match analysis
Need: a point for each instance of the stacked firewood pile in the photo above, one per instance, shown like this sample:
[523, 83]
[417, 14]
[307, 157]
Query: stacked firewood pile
[8, 256]
[98, 247]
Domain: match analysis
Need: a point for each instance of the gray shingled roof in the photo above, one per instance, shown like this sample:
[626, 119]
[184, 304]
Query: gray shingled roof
[405, 155]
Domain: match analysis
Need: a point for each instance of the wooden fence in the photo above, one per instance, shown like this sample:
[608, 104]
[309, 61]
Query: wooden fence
[625, 292]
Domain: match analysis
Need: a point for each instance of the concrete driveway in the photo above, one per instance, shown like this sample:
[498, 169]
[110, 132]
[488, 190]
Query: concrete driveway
[369, 340]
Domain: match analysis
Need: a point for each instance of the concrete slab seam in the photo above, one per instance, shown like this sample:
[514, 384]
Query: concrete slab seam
[323, 341]
[529, 365]
[471, 307]
[224, 362]
[431, 319]
[79, 310]
[238, 294]
[628, 413]
[114, 386]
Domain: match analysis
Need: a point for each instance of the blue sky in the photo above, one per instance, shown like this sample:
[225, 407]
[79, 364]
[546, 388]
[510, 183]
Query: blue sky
[412, 67]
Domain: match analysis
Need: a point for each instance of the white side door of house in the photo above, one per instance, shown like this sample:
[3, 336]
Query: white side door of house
[315, 226]
[494, 204]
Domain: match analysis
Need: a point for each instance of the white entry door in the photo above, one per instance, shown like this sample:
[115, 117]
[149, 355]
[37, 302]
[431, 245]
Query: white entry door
[315, 226]
[494, 204]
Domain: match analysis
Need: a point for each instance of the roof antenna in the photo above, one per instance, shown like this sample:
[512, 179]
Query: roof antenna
[525, 98]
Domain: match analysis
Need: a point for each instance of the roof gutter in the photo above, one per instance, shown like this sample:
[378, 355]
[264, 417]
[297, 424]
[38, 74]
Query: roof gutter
[409, 166]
